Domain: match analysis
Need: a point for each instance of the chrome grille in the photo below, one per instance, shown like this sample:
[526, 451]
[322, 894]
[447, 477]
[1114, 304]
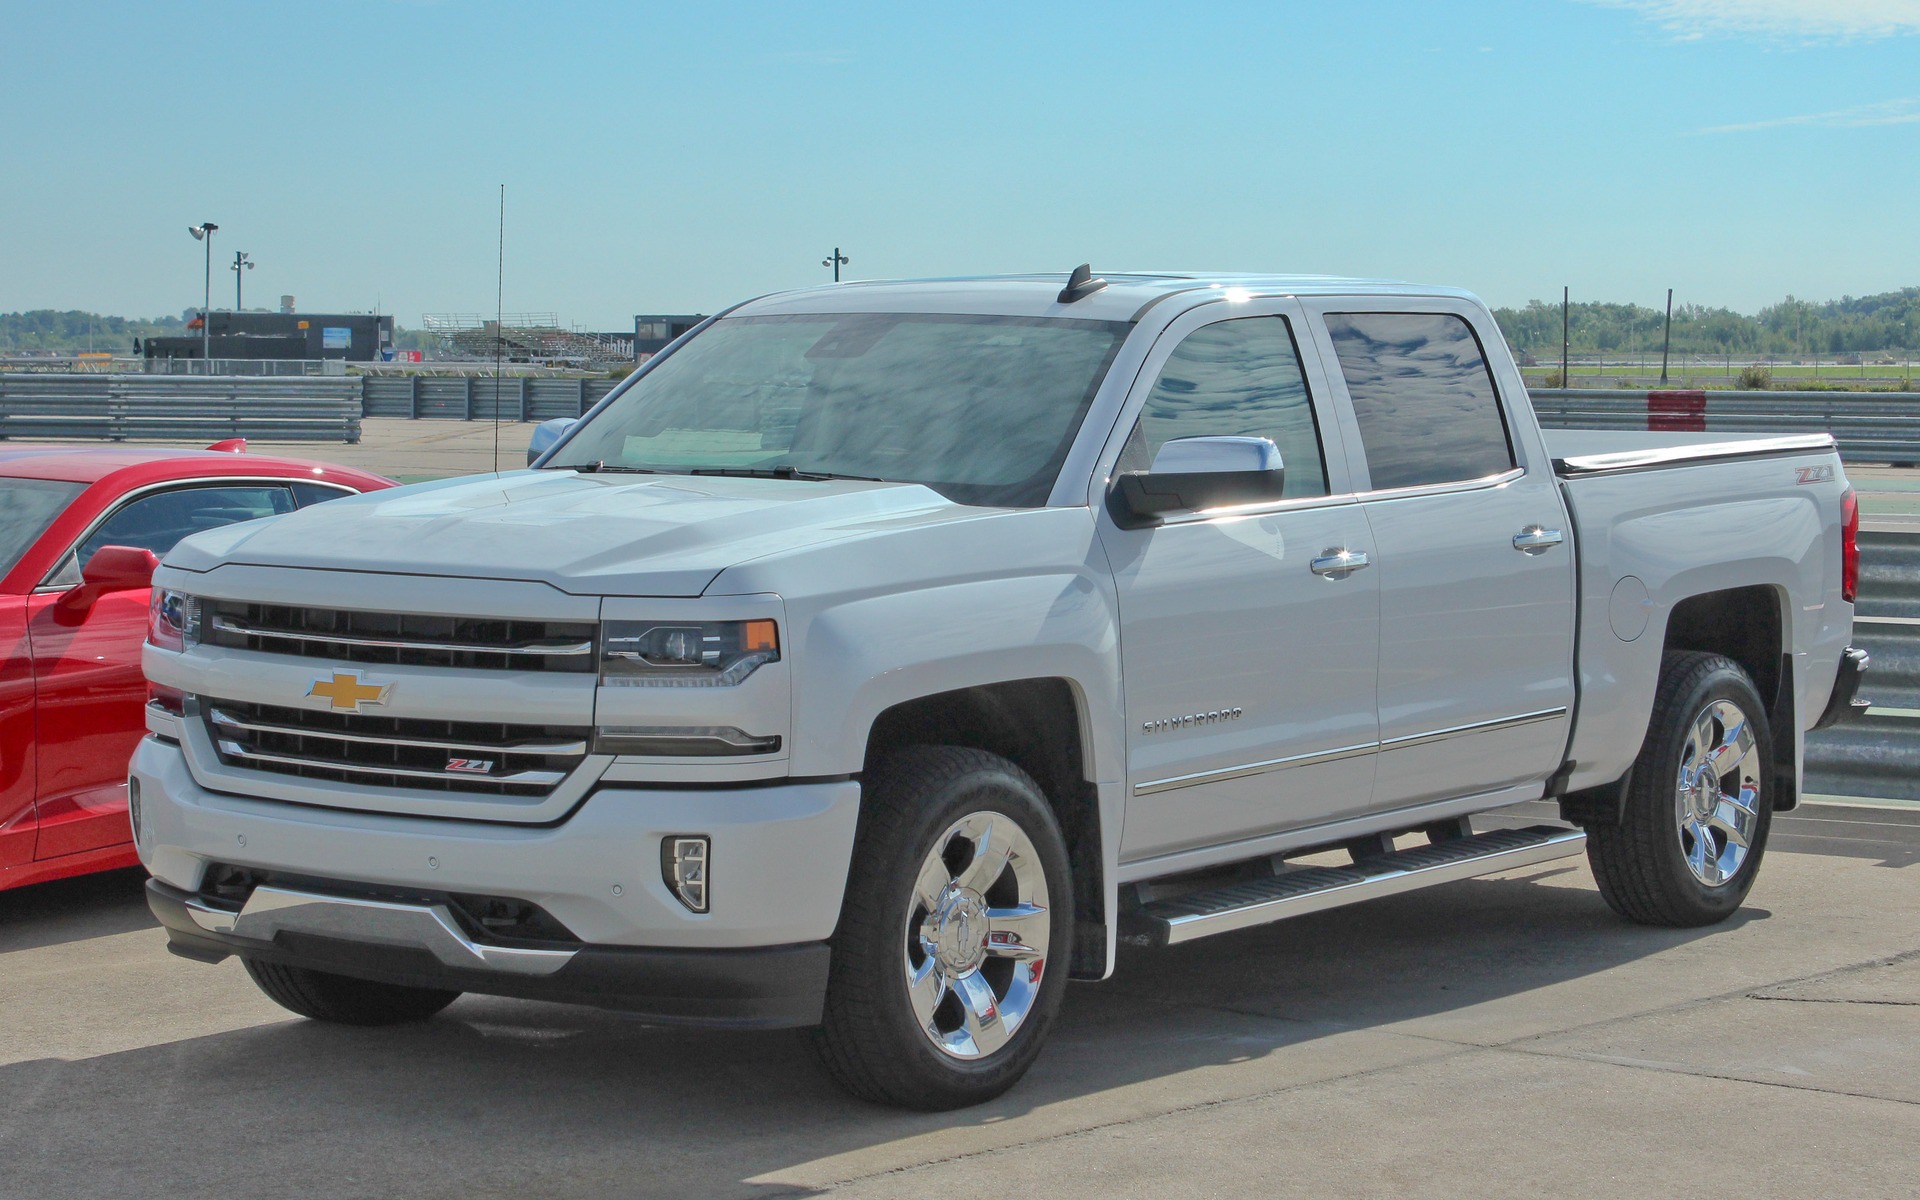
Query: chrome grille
[483, 757]
[400, 639]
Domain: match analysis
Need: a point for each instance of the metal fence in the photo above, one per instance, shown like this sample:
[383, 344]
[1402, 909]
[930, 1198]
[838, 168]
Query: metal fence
[1879, 755]
[167, 407]
[483, 398]
[1876, 427]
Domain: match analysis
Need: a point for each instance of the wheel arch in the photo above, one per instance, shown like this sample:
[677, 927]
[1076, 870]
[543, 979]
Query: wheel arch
[1041, 725]
[1749, 625]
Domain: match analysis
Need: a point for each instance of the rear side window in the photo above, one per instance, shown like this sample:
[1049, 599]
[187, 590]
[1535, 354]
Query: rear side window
[1238, 378]
[310, 494]
[1423, 397]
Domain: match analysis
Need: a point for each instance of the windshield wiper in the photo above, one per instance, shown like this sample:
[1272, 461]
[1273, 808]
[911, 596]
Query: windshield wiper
[780, 472]
[597, 467]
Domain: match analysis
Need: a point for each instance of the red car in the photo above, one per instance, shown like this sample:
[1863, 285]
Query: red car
[81, 529]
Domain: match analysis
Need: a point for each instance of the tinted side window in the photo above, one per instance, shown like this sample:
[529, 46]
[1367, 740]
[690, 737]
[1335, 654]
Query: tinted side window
[156, 521]
[1238, 378]
[310, 494]
[1423, 397]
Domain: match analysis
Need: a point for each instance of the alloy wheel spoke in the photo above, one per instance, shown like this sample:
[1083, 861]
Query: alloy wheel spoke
[926, 987]
[980, 1012]
[1732, 750]
[1017, 932]
[1734, 821]
[932, 881]
[990, 854]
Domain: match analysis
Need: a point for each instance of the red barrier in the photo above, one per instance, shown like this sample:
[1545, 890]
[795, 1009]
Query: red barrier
[1677, 411]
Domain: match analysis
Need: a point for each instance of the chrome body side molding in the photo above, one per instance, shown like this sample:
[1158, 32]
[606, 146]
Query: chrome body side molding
[1155, 786]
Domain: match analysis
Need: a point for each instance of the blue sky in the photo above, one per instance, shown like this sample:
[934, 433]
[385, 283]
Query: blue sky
[673, 158]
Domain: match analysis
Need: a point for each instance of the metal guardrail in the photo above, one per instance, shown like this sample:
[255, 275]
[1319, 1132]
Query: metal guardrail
[1876, 427]
[167, 407]
[482, 398]
[1879, 755]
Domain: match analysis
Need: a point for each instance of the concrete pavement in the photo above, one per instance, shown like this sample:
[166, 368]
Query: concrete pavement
[1498, 1037]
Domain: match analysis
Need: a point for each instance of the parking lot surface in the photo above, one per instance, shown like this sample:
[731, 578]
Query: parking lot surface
[1499, 1037]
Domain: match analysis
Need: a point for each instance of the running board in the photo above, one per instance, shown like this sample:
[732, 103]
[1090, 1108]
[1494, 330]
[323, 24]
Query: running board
[1311, 889]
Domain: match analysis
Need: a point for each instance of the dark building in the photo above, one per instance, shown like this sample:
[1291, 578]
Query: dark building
[354, 337]
[652, 333]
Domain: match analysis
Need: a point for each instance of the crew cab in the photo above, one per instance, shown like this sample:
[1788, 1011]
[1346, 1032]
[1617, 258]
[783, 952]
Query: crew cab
[880, 656]
[81, 529]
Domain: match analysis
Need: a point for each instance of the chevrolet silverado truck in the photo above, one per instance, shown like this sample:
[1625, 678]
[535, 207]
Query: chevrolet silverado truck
[881, 656]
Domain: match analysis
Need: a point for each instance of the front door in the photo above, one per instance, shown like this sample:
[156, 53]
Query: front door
[1248, 677]
[91, 694]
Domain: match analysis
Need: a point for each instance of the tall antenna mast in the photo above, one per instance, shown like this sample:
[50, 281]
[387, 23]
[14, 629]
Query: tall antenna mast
[499, 322]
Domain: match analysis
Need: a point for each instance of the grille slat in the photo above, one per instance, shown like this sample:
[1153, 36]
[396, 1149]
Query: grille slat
[411, 752]
[401, 639]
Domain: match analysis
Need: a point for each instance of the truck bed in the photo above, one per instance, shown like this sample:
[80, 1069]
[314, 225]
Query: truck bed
[1589, 451]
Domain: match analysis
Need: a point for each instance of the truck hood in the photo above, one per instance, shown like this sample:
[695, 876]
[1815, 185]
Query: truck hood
[598, 534]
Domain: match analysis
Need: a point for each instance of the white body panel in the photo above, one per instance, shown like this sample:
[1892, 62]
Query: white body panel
[887, 593]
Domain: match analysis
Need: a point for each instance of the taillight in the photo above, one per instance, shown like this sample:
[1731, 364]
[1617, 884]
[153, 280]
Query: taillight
[1849, 546]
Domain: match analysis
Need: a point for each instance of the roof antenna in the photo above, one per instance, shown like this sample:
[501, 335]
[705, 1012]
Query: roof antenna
[1080, 284]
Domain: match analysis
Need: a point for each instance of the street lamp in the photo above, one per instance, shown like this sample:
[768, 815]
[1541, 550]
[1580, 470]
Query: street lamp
[836, 262]
[203, 232]
[240, 260]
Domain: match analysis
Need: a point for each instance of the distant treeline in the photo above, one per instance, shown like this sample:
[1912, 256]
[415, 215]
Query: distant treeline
[1888, 322]
[70, 332]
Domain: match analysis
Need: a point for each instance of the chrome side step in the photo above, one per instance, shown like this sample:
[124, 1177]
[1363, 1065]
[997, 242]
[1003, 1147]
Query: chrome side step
[1304, 890]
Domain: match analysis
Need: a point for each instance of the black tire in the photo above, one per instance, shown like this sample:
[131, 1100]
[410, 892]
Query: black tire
[1641, 864]
[871, 1041]
[342, 999]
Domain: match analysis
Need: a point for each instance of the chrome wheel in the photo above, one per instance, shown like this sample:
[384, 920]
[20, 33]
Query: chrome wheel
[1718, 799]
[976, 935]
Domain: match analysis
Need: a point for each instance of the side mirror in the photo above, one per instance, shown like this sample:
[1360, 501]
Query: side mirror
[111, 569]
[548, 433]
[1190, 474]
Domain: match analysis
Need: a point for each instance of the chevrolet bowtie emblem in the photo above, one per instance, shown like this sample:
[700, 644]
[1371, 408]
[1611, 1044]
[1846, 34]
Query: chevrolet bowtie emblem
[346, 692]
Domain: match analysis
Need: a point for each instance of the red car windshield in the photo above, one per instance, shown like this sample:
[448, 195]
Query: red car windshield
[27, 507]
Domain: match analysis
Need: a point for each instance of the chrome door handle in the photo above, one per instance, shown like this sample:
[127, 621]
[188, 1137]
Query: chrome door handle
[1338, 562]
[1537, 539]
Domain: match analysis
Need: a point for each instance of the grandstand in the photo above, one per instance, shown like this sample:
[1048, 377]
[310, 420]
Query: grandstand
[524, 337]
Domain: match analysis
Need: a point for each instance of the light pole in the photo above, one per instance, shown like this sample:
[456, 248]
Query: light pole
[203, 232]
[836, 262]
[240, 260]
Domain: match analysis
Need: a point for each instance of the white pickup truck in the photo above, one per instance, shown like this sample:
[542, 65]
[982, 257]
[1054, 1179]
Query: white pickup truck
[881, 656]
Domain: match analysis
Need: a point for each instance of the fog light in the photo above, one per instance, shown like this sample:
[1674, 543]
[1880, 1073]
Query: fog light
[133, 809]
[683, 862]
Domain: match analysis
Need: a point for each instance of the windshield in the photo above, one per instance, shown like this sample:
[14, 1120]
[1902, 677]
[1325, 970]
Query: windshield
[982, 409]
[27, 507]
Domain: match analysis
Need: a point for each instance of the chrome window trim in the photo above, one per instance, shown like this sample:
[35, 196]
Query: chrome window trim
[1261, 509]
[168, 485]
[1443, 489]
[1221, 774]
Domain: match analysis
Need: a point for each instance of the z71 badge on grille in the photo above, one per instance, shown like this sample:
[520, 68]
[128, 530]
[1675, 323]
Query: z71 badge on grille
[347, 692]
[470, 766]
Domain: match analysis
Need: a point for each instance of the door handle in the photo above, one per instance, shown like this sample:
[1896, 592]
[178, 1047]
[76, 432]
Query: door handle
[1537, 539]
[1338, 562]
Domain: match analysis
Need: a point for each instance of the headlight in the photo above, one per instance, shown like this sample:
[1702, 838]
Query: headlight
[685, 653]
[173, 619]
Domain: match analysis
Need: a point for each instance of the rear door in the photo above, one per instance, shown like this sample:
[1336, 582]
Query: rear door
[86, 660]
[1248, 678]
[1474, 567]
